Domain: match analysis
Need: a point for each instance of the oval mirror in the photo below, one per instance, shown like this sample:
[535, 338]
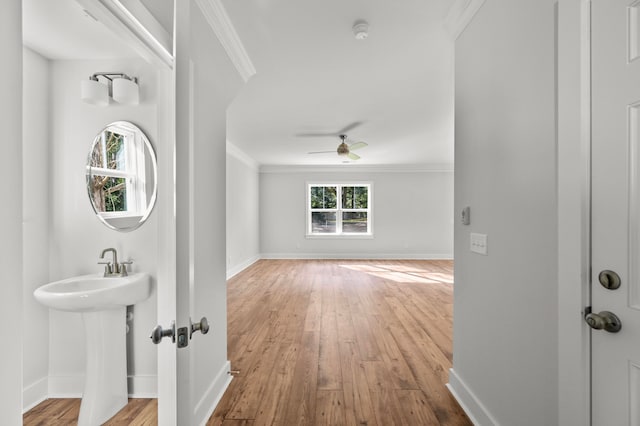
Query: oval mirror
[122, 176]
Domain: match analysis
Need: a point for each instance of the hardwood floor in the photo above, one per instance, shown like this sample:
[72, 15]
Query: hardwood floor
[65, 411]
[327, 342]
[332, 342]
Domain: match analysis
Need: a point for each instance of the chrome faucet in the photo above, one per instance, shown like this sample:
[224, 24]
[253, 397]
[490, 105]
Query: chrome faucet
[116, 269]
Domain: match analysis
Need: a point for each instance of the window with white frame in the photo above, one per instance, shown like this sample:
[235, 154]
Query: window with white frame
[116, 174]
[339, 209]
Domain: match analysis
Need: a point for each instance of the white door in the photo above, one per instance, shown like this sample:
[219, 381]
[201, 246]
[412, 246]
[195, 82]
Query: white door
[616, 209]
[193, 372]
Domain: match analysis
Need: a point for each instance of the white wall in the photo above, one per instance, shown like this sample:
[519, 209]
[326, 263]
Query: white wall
[412, 214]
[243, 235]
[36, 202]
[77, 237]
[11, 213]
[505, 366]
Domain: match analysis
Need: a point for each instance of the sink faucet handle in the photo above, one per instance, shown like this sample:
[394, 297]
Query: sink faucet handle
[123, 267]
[107, 268]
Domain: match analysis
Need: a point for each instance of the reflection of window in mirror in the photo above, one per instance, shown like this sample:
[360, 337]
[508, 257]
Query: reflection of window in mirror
[117, 170]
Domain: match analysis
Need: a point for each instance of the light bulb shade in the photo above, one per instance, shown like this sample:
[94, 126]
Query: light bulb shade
[95, 93]
[125, 91]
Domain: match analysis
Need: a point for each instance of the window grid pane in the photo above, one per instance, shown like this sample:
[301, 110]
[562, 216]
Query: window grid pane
[324, 197]
[323, 222]
[355, 197]
[351, 216]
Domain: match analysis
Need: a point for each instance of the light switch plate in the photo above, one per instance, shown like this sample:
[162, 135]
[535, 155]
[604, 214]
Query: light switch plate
[466, 215]
[479, 243]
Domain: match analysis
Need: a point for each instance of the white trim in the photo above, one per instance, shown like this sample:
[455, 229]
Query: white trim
[460, 15]
[380, 168]
[477, 413]
[216, 15]
[34, 394]
[352, 236]
[236, 269]
[66, 386]
[574, 198]
[209, 401]
[360, 256]
[143, 386]
[242, 156]
[339, 210]
[116, 17]
[72, 386]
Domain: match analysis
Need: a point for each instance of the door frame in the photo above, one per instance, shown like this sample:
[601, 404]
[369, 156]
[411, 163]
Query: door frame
[574, 212]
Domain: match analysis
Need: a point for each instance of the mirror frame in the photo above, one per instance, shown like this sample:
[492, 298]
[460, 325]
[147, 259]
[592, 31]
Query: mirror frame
[148, 152]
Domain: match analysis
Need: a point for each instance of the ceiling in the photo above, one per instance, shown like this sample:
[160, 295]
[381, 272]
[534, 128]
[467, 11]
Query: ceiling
[61, 29]
[314, 76]
[393, 90]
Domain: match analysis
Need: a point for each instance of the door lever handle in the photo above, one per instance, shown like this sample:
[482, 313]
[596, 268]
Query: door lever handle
[202, 326]
[159, 333]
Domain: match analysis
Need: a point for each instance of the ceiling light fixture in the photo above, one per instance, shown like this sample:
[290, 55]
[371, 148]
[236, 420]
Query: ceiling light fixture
[120, 87]
[361, 29]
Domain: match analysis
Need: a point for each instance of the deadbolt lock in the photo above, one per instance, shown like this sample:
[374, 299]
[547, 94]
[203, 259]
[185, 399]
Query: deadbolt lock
[604, 320]
[609, 279]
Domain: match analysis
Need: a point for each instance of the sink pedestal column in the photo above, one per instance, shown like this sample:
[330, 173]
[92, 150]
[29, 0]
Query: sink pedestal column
[105, 386]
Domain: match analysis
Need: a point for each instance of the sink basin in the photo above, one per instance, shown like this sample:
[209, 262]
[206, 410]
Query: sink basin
[102, 303]
[90, 293]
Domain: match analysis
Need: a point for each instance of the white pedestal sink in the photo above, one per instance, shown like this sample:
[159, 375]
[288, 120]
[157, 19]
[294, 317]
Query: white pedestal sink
[102, 301]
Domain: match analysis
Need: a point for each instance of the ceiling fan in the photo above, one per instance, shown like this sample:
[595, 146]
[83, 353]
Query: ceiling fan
[344, 149]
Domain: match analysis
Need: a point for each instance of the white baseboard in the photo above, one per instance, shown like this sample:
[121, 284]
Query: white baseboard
[205, 407]
[362, 256]
[66, 386]
[73, 386]
[34, 394]
[143, 386]
[477, 413]
[236, 269]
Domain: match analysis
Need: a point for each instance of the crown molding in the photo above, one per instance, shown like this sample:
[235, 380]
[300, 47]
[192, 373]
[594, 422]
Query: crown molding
[382, 168]
[216, 15]
[242, 156]
[460, 15]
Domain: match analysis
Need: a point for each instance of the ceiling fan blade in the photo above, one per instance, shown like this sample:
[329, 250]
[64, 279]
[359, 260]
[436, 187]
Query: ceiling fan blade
[315, 135]
[353, 156]
[325, 134]
[322, 152]
[349, 127]
[357, 145]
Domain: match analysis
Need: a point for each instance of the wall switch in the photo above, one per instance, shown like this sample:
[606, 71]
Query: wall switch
[466, 215]
[479, 243]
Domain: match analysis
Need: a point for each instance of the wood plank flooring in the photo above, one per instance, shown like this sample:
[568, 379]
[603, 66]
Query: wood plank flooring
[65, 412]
[327, 342]
[340, 342]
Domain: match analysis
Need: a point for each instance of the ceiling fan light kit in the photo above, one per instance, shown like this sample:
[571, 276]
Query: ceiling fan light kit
[344, 149]
[361, 29]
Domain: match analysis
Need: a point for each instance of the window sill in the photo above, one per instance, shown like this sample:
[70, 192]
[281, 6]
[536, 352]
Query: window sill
[339, 236]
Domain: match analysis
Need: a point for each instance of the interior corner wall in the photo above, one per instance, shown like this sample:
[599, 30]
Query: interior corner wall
[77, 237]
[506, 303]
[243, 244]
[412, 216]
[35, 226]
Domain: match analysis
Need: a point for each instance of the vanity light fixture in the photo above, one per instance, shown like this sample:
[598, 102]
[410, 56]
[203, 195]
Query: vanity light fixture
[119, 86]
